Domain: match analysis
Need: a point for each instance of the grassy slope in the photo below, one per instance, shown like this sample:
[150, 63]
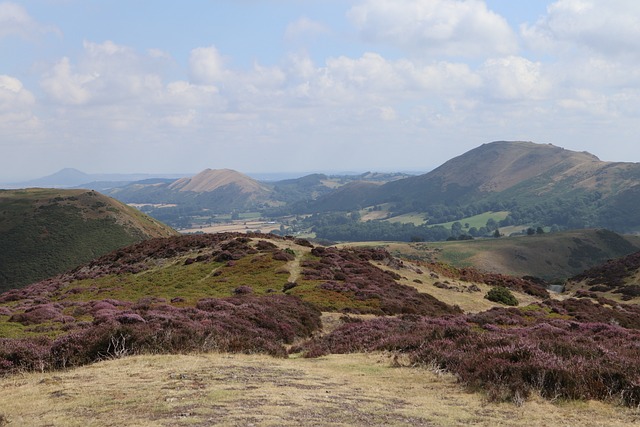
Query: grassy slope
[47, 231]
[549, 256]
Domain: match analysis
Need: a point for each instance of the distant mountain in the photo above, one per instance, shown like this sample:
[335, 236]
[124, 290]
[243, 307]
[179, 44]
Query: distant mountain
[70, 178]
[211, 180]
[47, 231]
[226, 190]
[219, 190]
[67, 177]
[536, 182]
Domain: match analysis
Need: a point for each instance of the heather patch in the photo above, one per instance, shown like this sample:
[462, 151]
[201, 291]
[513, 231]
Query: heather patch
[509, 353]
[345, 280]
[244, 324]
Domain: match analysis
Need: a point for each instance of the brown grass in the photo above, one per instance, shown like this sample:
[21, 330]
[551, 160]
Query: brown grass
[469, 302]
[221, 389]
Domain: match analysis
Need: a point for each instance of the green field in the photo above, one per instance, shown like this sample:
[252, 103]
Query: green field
[478, 220]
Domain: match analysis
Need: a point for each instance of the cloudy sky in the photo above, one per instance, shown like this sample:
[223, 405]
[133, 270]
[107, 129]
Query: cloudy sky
[125, 86]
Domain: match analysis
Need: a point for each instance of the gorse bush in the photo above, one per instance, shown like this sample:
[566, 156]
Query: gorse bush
[501, 295]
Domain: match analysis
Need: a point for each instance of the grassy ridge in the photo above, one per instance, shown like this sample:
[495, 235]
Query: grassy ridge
[45, 231]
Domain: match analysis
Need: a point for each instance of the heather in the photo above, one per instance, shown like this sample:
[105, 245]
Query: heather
[245, 324]
[507, 353]
[225, 292]
[346, 280]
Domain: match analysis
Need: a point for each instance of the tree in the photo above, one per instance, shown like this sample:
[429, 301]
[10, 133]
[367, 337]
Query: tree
[456, 229]
[530, 231]
[539, 230]
[496, 233]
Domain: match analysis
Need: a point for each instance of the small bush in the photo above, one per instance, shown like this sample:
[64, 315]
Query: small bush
[501, 295]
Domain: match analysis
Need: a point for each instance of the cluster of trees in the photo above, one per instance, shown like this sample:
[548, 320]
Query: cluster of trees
[335, 226]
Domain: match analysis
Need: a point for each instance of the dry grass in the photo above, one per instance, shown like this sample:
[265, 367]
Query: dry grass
[459, 294]
[220, 389]
[238, 226]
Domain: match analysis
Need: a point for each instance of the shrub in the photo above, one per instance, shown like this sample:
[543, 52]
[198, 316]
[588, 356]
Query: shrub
[501, 295]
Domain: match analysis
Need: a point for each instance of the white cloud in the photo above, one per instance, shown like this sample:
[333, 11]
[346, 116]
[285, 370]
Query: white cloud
[304, 27]
[206, 66]
[609, 28]
[437, 27]
[514, 78]
[16, 21]
[17, 119]
[65, 86]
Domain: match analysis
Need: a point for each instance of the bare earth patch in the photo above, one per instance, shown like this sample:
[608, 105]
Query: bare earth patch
[223, 389]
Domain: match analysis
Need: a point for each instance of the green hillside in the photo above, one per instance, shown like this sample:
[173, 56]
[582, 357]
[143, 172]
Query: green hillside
[536, 184]
[44, 232]
[551, 256]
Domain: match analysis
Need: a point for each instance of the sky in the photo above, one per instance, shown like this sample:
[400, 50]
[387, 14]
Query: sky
[310, 85]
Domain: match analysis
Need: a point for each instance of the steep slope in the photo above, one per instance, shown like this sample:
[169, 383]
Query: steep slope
[44, 231]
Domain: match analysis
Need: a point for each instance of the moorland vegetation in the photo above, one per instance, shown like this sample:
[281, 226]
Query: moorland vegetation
[268, 294]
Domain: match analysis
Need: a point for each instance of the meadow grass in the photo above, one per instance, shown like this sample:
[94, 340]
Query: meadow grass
[234, 389]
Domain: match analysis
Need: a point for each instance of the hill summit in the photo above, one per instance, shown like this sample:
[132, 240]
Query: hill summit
[213, 179]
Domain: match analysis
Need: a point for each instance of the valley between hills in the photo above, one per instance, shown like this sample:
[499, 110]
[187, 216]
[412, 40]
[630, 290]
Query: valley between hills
[501, 288]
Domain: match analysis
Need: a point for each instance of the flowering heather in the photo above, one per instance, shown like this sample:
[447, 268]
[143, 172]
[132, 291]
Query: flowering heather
[350, 274]
[237, 324]
[509, 360]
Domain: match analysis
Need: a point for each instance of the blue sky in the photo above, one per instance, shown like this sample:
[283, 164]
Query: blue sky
[316, 85]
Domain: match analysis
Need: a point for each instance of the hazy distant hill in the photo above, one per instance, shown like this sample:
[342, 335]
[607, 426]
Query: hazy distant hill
[218, 190]
[226, 190]
[46, 231]
[73, 178]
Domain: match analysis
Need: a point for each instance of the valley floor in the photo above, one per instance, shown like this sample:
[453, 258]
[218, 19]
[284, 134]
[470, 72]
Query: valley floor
[232, 389]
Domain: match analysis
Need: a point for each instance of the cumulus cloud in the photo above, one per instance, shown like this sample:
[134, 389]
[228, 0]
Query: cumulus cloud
[106, 72]
[610, 28]
[16, 21]
[514, 78]
[66, 86]
[435, 27]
